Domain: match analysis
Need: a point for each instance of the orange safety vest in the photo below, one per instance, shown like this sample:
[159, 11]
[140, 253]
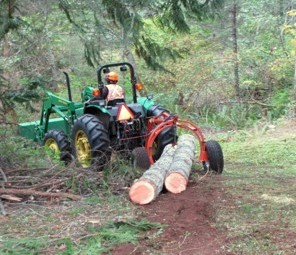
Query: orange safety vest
[114, 92]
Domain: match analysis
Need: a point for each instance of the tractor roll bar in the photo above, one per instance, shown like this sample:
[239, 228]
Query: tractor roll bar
[105, 68]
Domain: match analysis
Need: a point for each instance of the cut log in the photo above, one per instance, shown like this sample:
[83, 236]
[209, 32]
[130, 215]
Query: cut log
[147, 188]
[177, 176]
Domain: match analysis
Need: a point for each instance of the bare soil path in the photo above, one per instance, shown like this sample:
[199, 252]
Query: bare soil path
[190, 222]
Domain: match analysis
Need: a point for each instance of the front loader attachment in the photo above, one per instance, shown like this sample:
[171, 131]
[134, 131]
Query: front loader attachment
[33, 130]
[57, 114]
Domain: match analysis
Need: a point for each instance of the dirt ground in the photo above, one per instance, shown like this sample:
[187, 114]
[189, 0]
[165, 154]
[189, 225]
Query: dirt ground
[190, 222]
[189, 219]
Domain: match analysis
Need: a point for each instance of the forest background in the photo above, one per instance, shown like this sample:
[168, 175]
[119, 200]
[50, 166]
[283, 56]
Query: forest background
[227, 66]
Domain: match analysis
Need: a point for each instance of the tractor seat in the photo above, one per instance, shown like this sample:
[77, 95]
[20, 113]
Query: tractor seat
[115, 102]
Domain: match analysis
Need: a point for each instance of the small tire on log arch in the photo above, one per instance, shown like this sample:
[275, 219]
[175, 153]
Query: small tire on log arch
[91, 142]
[140, 158]
[58, 142]
[215, 156]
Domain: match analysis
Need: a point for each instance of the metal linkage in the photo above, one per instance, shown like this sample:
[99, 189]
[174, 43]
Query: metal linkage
[159, 123]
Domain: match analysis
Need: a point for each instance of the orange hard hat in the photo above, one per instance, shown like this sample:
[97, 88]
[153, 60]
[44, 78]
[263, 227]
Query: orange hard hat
[112, 76]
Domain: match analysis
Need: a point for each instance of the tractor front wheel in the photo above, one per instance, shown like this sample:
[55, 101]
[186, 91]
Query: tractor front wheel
[58, 144]
[140, 158]
[215, 156]
[91, 142]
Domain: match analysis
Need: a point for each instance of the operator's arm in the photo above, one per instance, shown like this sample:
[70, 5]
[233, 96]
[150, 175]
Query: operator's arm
[104, 92]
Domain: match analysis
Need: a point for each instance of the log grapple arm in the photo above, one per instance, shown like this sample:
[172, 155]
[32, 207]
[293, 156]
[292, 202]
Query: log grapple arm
[164, 121]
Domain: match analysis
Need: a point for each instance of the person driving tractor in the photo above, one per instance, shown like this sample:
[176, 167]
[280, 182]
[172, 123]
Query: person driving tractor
[113, 93]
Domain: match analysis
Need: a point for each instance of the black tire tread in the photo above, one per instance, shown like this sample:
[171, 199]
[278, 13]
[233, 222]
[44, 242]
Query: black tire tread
[215, 156]
[62, 141]
[97, 135]
[140, 158]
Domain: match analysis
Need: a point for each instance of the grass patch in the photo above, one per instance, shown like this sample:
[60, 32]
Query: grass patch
[260, 178]
[17, 151]
[101, 239]
[22, 246]
[271, 151]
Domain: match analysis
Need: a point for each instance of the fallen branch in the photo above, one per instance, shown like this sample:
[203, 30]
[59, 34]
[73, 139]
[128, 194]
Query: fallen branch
[3, 175]
[2, 209]
[150, 184]
[32, 192]
[262, 104]
[11, 198]
[42, 185]
[179, 171]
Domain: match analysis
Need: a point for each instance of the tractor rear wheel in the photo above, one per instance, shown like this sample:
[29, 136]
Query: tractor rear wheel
[140, 158]
[58, 143]
[215, 156]
[91, 142]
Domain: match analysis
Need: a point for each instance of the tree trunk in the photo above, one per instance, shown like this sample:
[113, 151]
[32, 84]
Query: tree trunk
[294, 77]
[147, 188]
[294, 86]
[6, 108]
[179, 171]
[282, 37]
[52, 63]
[128, 56]
[234, 12]
[281, 10]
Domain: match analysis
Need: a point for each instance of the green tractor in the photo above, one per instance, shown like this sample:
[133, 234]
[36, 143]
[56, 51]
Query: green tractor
[92, 129]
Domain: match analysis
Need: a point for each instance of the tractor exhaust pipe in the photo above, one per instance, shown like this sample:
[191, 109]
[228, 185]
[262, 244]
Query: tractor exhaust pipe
[68, 86]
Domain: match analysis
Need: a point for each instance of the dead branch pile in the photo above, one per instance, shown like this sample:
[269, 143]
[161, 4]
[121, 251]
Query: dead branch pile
[54, 183]
[58, 182]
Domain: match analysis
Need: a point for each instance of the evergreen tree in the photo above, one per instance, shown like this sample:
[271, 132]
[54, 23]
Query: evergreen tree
[122, 23]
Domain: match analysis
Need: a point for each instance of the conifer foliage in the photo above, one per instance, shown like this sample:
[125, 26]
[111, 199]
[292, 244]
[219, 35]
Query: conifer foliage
[123, 22]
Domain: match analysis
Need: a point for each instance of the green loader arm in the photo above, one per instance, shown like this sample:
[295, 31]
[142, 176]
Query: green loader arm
[63, 108]
[63, 111]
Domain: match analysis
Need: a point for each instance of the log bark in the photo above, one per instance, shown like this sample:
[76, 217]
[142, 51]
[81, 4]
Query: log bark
[178, 174]
[39, 193]
[147, 188]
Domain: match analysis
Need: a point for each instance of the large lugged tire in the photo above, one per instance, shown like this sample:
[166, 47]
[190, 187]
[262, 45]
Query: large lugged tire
[90, 142]
[140, 158]
[58, 143]
[215, 156]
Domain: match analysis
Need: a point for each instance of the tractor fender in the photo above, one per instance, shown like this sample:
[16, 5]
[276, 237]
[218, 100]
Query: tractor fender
[146, 102]
[95, 109]
[100, 112]
[156, 110]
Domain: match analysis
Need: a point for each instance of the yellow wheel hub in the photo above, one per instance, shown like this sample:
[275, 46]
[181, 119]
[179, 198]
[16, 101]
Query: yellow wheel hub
[83, 150]
[52, 145]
